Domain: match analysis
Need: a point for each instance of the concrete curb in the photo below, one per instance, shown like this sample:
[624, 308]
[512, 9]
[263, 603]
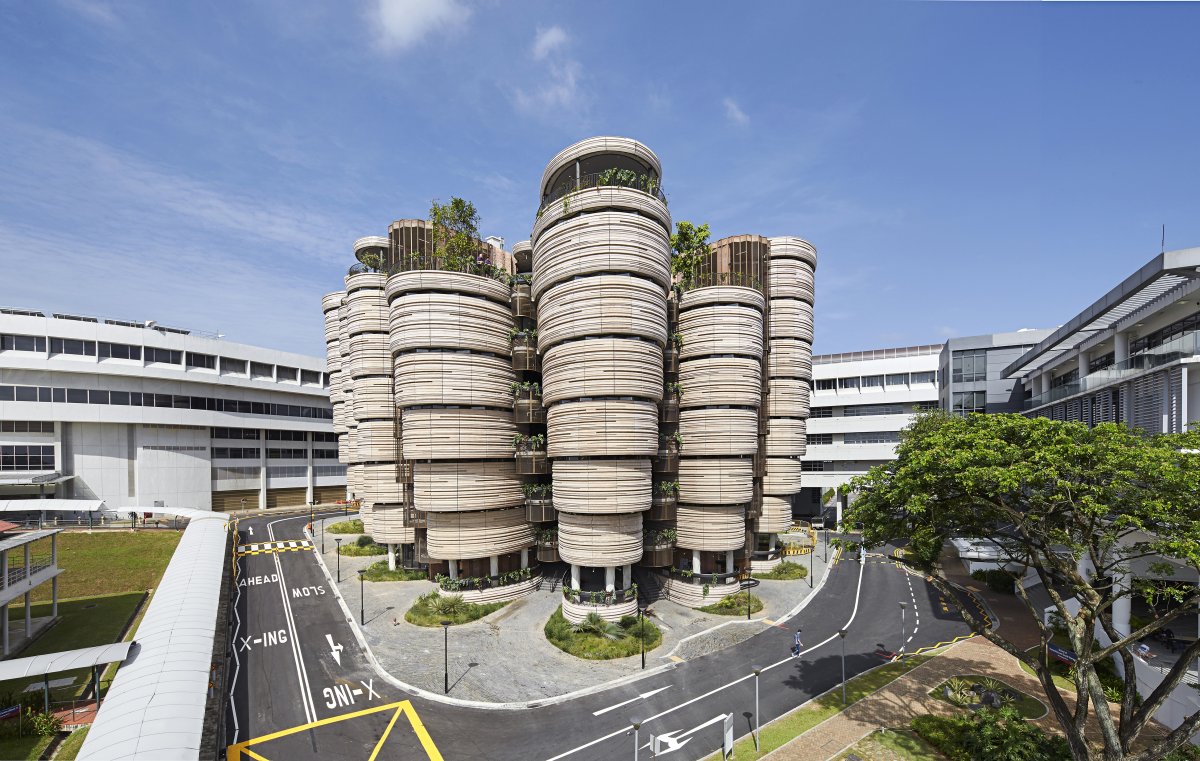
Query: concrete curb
[433, 696]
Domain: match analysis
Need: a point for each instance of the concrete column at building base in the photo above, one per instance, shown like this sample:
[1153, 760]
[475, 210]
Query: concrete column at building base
[626, 576]
[54, 597]
[28, 618]
[525, 557]
[453, 564]
[696, 561]
[4, 627]
[574, 576]
[610, 578]
[729, 561]
[494, 565]
[391, 557]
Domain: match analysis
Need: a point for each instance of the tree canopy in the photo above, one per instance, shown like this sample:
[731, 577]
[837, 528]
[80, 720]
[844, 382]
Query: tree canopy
[1074, 505]
[690, 243]
[455, 229]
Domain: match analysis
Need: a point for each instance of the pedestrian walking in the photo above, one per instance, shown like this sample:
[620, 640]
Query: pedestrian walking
[796, 644]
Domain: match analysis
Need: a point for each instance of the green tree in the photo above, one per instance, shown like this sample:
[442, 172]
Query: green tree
[595, 624]
[1076, 506]
[691, 247]
[455, 234]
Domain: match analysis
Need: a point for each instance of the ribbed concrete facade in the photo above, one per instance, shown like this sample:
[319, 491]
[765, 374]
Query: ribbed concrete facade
[595, 410]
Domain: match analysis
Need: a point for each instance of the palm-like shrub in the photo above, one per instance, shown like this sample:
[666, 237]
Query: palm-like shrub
[595, 624]
[448, 605]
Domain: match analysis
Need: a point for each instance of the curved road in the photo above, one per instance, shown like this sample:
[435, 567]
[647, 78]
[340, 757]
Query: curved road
[304, 689]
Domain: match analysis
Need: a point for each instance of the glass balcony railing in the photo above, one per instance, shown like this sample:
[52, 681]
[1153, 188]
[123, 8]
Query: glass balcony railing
[1180, 348]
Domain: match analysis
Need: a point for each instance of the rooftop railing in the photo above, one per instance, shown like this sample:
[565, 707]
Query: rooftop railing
[858, 356]
[618, 178]
[1181, 348]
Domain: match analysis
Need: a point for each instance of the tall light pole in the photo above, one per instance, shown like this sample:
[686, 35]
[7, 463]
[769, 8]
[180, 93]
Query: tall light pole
[757, 670]
[338, 540]
[842, 636]
[446, 657]
[903, 627]
[810, 562]
[637, 724]
[362, 597]
[642, 635]
[826, 530]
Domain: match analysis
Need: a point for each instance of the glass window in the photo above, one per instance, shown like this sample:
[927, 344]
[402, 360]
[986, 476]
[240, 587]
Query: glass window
[968, 366]
[97, 397]
[310, 377]
[826, 384]
[233, 366]
[811, 467]
[58, 394]
[7, 393]
[872, 381]
[165, 356]
[325, 436]
[923, 377]
[22, 343]
[261, 370]
[119, 351]
[863, 410]
[206, 361]
[286, 373]
[847, 382]
[820, 438]
[287, 454]
[27, 393]
[72, 346]
[969, 401]
[118, 397]
[325, 454]
[872, 437]
[287, 436]
[897, 379]
[821, 412]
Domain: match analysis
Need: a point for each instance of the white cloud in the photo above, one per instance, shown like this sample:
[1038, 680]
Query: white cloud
[98, 12]
[400, 24]
[547, 41]
[735, 113]
[559, 83]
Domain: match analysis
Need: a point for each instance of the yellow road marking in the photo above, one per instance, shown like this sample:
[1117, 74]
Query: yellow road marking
[272, 550]
[385, 734]
[405, 707]
[676, 658]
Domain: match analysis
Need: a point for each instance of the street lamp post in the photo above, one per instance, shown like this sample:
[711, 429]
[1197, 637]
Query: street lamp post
[826, 530]
[757, 671]
[362, 598]
[810, 563]
[338, 541]
[322, 537]
[445, 657]
[903, 627]
[637, 724]
[842, 636]
[642, 635]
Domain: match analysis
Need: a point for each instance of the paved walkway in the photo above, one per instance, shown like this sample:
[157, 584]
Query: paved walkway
[898, 703]
[1016, 622]
[482, 653]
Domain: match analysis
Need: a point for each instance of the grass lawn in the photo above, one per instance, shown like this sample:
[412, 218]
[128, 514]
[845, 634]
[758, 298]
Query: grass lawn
[354, 526]
[597, 647]
[108, 562]
[889, 744]
[1028, 706]
[785, 571]
[432, 608]
[71, 746]
[83, 622]
[734, 605]
[379, 572]
[27, 748]
[364, 546]
[784, 730]
[1060, 671]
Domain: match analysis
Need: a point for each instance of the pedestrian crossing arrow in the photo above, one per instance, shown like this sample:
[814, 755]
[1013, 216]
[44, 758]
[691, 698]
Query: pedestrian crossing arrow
[334, 649]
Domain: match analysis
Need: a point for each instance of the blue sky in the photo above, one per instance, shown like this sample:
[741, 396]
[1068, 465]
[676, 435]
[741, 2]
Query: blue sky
[962, 168]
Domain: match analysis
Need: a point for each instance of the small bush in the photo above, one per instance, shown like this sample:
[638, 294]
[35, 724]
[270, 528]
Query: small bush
[734, 605]
[380, 572]
[601, 640]
[785, 571]
[998, 580]
[364, 545]
[432, 608]
[354, 526]
[44, 724]
[999, 735]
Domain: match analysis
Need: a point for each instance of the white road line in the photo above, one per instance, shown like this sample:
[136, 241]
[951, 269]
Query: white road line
[305, 691]
[634, 699]
[236, 661]
[710, 693]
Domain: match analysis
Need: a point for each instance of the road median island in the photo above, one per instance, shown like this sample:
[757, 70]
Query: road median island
[820, 709]
[596, 639]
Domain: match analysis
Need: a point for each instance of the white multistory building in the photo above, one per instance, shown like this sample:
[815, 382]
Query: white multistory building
[142, 415]
[860, 402]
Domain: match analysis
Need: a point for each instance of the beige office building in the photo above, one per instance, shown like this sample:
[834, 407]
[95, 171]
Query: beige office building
[571, 402]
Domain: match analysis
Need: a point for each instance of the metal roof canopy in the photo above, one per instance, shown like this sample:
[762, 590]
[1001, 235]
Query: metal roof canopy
[46, 478]
[50, 663]
[1156, 277]
[9, 543]
[155, 707]
[60, 505]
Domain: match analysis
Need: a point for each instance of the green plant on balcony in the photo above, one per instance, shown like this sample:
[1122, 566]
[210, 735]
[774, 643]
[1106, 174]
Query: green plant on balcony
[527, 336]
[677, 339]
[660, 537]
[691, 248]
[521, 278]
[531, 388]
[675, 390]
[454, 233]
[668, 488]
[536, 491]
[547, 535]
[677, 437]
[529, 444]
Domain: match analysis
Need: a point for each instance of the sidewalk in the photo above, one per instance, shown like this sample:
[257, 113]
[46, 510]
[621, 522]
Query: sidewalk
[1016, 623]
[897, 704]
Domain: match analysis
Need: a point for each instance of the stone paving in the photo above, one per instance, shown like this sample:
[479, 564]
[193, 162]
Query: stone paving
[505, 657]
[899, 702]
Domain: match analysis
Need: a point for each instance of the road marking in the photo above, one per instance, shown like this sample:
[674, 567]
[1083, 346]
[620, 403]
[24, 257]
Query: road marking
[264, 548]
[385, 734]
[634, 699]
[335, 650]
[675, 658]
[310, 709]
[234, 752]
[370, 685]
[710, 693]
[675, 736]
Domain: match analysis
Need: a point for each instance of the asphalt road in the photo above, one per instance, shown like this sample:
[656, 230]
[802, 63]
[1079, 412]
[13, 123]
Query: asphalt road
[304, 689]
